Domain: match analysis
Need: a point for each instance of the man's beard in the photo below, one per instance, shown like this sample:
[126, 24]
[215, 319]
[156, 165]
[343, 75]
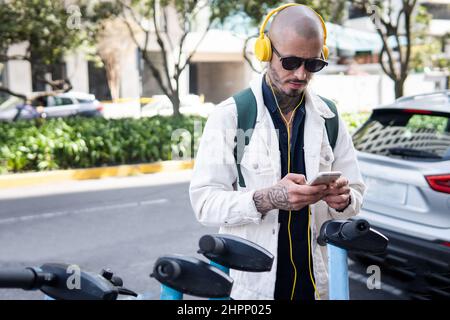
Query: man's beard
[278, 85]
[294, 93]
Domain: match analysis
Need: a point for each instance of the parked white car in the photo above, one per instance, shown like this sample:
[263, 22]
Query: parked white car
[51, 106]
[190, 105]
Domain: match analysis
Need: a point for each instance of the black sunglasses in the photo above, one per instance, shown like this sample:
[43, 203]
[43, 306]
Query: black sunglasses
[293, 63]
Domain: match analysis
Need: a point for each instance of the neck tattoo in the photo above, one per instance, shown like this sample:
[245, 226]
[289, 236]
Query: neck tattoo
[286, 103]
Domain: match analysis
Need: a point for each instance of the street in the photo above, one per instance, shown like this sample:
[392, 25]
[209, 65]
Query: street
[119, 223]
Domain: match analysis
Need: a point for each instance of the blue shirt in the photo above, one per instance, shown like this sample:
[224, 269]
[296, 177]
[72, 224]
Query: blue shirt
[304, 289]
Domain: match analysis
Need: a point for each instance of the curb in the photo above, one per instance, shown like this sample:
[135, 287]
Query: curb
[36, 178]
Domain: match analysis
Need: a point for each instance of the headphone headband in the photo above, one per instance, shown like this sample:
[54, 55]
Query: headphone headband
[271, 13]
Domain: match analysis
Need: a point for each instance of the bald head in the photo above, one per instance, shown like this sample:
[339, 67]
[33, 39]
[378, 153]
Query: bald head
[300, 20]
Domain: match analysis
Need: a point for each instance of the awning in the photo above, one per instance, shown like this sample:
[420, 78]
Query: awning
[353, 40]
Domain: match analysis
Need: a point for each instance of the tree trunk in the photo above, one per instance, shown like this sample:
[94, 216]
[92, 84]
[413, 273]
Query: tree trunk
[175, 99]
[399, 88]
[176, 96]
[112, 67]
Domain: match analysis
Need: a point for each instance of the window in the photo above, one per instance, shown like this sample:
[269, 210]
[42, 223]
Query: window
[84, 100]
[405, 134]
[62, 101]
[40, 102]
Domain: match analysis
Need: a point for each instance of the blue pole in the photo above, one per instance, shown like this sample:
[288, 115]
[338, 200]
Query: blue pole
[167, 293]
[220, 267]
[224, 269]
[338, 273]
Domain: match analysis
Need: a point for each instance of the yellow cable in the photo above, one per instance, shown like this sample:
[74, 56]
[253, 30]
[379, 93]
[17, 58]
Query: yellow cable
[309, 253]
[288, 123]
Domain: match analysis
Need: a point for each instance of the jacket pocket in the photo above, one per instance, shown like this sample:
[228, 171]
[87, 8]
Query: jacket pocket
[257, 168]
[326, 158]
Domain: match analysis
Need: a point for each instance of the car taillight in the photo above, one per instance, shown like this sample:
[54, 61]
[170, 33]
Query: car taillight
[100, 107]
[417, 111]
[446, 244]
[439, 183]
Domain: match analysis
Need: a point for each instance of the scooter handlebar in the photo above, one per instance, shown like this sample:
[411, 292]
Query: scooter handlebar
[351, 235]
[52, 279]
[192, 276]
[26, 279]
[355, 229]
[235, 253]
[211, 245]
[167, 269]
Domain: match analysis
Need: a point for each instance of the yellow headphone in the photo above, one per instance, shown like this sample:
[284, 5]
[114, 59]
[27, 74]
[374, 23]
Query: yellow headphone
[263, 47]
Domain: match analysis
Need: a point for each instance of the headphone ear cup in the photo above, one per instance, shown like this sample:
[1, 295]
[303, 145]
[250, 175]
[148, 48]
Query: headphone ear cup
[326, 52]
[263, 49]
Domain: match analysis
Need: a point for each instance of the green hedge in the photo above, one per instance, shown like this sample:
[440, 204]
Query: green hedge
[87, 142]
[91, 142]
[355, 120]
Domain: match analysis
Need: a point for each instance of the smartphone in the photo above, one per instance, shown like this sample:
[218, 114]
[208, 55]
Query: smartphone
[325, 178]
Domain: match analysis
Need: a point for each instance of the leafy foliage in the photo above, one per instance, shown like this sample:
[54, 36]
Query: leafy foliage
[43, 24]
[88, 142]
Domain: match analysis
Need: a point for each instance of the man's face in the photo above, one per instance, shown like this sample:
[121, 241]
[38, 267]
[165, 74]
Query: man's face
[293, 82]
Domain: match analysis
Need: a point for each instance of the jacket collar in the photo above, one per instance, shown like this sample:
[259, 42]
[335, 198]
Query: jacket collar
[316, 112]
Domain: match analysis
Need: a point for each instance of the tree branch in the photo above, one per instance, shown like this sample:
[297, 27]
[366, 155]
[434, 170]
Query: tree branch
[397, 39]
[5, 58]
[188, 60]
[10, 92]
[160, 42]
[405, 63]
[385, 47]
[180, 52]
[133, 16]
[380, 57]
[166, 31]
[155, 72]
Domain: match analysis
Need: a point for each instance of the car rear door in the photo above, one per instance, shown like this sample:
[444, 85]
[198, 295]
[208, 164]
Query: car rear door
[398, 151]
[58, 106]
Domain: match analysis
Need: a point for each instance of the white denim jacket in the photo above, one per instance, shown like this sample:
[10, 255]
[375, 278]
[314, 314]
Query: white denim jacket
[218, 200]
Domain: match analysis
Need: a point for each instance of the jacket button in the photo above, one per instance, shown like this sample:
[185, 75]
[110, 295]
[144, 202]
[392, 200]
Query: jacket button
[255, 166]
[327, 158]
[273, 231]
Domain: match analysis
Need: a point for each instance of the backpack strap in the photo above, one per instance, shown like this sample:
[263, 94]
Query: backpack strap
[332, 124]
[246, 121]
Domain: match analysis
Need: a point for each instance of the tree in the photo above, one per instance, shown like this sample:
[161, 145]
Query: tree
[397, 24]
[111, 46]
[110, 42]
[42, 25]
[168, 23]
[50, 30]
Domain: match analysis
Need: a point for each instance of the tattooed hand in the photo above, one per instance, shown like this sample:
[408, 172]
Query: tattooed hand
[290, 193]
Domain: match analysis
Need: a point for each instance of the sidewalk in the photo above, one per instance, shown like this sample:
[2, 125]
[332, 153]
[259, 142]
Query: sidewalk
[45, 177]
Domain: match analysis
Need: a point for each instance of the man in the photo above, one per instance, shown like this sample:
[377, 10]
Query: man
[289, 141]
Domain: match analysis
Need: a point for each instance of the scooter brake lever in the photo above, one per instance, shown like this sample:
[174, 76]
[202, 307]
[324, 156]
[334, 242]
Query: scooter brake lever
[126, 292]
